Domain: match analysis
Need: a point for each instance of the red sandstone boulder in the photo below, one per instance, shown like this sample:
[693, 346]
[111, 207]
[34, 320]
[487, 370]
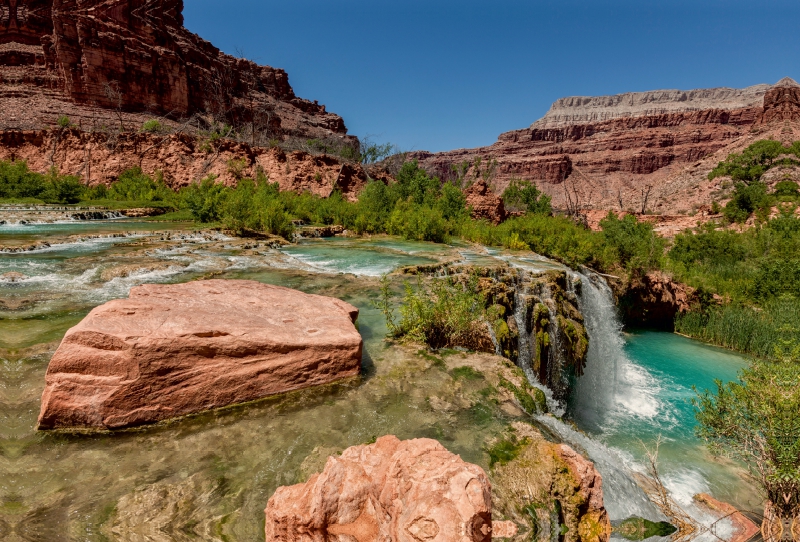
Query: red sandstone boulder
[485, 203]
[171, 350]
[409, 491]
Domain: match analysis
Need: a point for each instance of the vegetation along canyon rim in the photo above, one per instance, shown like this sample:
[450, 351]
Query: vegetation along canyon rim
[222, 317]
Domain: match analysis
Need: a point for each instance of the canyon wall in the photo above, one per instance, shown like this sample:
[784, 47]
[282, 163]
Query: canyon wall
[120, 62]
[638, 151]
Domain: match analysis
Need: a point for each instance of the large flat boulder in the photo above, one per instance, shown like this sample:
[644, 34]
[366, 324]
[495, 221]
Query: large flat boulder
[405, 491]
[171, 350]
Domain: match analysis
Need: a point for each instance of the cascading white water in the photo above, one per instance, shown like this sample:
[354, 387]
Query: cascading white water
[524, 336]
[612, 386]
[493, 336]
[597, 391]
[556, 361]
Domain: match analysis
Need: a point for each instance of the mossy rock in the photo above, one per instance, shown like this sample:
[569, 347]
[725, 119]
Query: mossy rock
[636, 528]
[535, 488]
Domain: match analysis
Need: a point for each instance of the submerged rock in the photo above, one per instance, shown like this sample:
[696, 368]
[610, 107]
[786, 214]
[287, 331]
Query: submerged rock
[408, 491]
[172, 350]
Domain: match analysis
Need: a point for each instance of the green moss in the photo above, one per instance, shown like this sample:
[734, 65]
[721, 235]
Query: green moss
[531, 400]
[466, 373]
[506, 450]
[641, 529]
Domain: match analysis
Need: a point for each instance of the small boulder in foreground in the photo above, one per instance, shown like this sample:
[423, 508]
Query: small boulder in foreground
[172, 350]
[405, 491]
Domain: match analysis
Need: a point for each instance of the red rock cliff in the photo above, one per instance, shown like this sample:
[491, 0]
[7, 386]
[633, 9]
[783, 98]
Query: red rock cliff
[88, 58]
[636, 150]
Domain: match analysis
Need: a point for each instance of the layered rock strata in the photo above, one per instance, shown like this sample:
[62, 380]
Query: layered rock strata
[637, 152]
[172, 350]
[407, 491]
[103, 61]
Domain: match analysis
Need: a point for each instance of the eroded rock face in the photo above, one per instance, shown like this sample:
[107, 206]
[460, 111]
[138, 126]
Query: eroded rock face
[649, 150]
[91, 58]
[655, 299]
[171, 350]
[550, 489]
[405, 491]
[485, 203]
[180, 159]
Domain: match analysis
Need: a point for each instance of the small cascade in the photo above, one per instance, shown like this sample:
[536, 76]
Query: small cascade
[521, 317]
[623, 497]
[492, 335]
[556, 358]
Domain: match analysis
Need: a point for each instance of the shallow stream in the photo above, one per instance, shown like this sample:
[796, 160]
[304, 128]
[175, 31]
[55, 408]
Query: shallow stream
[209, 476]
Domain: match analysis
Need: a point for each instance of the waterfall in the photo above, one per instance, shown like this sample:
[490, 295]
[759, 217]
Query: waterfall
[521, 301]
[556, 361]
[612, 387]
[610, 384]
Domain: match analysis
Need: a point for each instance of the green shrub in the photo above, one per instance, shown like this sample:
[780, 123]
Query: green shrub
[134, 185]
[63, 122]
[205, 200]
[19, 182]
[441, 314]
[417, 222]
[523, 196]
[787, 189]
[747, 199]
[63, 189]
[633, 244]
[752, 163]
[152, 126]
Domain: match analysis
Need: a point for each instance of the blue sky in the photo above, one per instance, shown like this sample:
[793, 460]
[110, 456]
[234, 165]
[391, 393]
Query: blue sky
[445, 74]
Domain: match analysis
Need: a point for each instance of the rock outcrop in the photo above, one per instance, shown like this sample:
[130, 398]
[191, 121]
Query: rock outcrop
[407, 491]
[654, 300]
[743, 528]
[180, 159]
[549, 488]
[101, 62]
[592, 109]
[634, 152]
[484, 203]
[172, 350]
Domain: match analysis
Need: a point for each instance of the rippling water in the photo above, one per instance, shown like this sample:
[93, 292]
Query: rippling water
[209, 476]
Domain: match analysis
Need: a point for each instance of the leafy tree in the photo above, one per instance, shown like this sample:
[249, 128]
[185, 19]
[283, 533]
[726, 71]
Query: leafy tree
[524, 196]
[754, 420]
[747, 199]
[634, 244]
[414, 184]
[752, 163]
[452, 203]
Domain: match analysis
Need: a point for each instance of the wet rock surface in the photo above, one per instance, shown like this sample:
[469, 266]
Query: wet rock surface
[171, 350]
[547, 488]
[408, 491]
